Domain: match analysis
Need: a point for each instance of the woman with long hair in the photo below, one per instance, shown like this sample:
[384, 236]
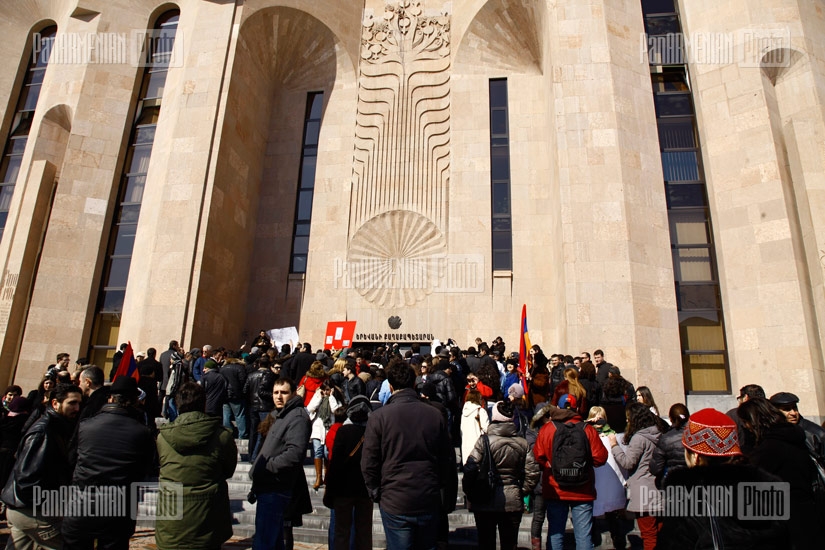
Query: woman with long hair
[780, 450]
[538, 377]
[715, 465]
[587, 378]
[670, 453]
[645, 397]
[571, 385]
[641, 436]
[474, 422]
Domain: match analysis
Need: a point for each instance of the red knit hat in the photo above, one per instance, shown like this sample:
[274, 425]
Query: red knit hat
[711, 433]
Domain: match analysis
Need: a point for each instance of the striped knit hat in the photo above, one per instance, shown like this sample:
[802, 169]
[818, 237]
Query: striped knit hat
[711, 433]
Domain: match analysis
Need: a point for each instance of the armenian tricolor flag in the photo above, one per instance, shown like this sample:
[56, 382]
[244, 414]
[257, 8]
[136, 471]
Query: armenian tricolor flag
[127, 365]
[524, 347]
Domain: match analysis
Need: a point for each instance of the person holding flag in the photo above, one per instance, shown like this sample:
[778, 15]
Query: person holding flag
[127, 365]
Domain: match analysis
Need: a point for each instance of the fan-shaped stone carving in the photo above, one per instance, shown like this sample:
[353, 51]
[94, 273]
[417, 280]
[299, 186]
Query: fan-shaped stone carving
[395, 258]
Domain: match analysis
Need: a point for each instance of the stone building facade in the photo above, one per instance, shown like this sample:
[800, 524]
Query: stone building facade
[424, 168]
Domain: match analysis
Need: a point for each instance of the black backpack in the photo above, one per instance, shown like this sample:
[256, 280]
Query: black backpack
[572, 458]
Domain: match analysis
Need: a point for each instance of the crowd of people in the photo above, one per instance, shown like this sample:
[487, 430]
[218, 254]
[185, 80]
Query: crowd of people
[547, 438]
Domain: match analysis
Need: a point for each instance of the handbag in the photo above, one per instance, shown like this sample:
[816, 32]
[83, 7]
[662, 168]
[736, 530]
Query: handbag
[479, 484]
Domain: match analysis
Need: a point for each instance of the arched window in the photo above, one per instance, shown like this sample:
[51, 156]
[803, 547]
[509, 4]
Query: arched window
[23, 115]
[157, 55]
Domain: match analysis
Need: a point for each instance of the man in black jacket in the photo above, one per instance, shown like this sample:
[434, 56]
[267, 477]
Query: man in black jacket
[114, 450]
[234, 371]
[297, 366]
[412, 482]
[258, 392]
[814, 433]
[215, 387]
[95, 393]
[42, 468]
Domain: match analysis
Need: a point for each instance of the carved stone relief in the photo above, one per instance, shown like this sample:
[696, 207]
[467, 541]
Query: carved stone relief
[398, 221]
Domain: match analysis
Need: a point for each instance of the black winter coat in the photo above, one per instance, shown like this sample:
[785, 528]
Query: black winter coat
[344, 477]
[235, 373]
[783, 453]
[408, 459]
[258, 384]
[693, 531]
[443, 387]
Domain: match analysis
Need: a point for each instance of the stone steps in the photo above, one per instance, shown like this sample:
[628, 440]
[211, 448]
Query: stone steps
[316, 524]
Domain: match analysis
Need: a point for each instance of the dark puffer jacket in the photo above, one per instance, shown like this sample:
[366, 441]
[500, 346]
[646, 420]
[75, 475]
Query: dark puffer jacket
[668, 454]
[443, 387]
[516, 466]
[258, 384]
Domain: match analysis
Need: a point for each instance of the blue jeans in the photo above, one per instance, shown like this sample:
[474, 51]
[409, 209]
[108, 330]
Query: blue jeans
[582, 516]
[171, 409]
[410, 532]
[236, 408]
[269, 520]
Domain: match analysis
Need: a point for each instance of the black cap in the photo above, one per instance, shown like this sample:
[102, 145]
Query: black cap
[784, 398]
[125, 385]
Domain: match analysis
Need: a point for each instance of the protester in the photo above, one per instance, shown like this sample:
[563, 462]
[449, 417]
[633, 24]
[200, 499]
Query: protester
[115, 449]
[197, 452]
[474, 422]
[517, 473]
[279, 464]
[715, 464]
[42, 463]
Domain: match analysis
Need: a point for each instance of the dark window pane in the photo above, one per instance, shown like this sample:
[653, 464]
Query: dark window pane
[502, 224]
[502, 240]
[498, 93]
[134, 189]
[665, 49]
[680, 195]
[129, 213]
[498, 121]
[10, 169]
[6, 193]
[662, 25]
[299, 263]
[312, 131]
[45, 43]
[154, 88]
[503, 260]
[680, 166]
[304, 205]
[500, 163]
[697, 297]
[317, 105]
[676, 134]
[673, 105]
[140, 159]
[125, 241]
[32, 95]
[18, 145]
[690, 227]
[501, 198]
[301, 245]
[692, 264]
[650, 7]
[308, 172]
[145, 134]
[35, 76]
[670, 81]
[302, 229]
[119, 272]
[113, 301]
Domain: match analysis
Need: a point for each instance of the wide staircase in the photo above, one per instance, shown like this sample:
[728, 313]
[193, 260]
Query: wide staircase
[315, 525]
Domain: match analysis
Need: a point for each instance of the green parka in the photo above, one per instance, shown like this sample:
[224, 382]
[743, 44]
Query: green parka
[198, 452]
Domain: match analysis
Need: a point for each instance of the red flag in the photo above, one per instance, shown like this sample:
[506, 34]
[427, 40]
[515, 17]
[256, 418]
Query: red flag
[127, 365]
[524, 347]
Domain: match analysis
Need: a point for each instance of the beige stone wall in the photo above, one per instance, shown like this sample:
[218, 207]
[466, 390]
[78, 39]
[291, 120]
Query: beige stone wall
[591, 247]
[762, 186]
